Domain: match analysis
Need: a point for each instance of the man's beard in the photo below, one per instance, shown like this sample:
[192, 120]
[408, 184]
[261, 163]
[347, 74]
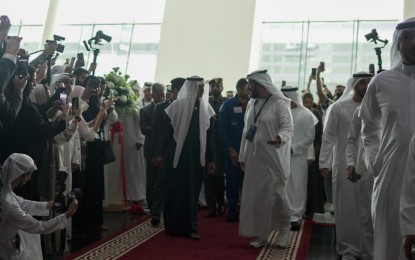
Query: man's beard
[254, 94]
[215, 94]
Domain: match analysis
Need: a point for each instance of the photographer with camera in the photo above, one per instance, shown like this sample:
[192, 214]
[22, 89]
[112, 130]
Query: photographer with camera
[20, 231]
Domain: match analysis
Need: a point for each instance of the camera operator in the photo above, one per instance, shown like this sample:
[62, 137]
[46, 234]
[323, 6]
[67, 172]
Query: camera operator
[20, 231]
[29, 134]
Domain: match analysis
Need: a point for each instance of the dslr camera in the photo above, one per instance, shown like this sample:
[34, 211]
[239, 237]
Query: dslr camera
[57, 39]
[62, 200]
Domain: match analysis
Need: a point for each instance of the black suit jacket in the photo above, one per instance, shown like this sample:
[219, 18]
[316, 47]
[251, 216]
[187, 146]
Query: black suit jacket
[146, 118]
[8, 108]
[159, 116]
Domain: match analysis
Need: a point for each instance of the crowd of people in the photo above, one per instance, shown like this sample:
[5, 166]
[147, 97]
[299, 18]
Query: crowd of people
[265, 157]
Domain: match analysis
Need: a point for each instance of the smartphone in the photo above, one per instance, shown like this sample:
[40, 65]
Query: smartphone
[322, 65]
[75, 104]
[313, 72]
[63, 97]
[72, 62]
[372, 69]
[22, 67]
[81, 61]
[354, 177]
[284, 83]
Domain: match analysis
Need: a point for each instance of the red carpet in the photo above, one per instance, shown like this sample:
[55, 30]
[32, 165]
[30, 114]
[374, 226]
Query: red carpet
[219, 240]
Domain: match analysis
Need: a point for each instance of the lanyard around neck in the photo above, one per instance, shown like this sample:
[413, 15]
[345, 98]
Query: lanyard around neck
[260, 110]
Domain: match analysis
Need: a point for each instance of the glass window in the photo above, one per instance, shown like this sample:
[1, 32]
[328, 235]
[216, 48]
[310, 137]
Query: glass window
[285, 39]
[143, 55]
[97, 11]
[291, 49]
[366, 53]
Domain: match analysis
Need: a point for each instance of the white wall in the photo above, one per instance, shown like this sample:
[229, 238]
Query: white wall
[408, 9]
[206, 38]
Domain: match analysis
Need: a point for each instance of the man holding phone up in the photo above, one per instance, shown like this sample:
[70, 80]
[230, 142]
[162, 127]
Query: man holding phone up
[10, 108]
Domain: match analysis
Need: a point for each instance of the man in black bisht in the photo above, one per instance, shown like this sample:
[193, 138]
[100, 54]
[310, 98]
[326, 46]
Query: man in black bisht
[159, 116]
[187, 148]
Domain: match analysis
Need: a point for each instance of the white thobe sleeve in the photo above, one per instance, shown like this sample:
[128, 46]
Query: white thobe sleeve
[23, 220]
[372, 125]
[34, 208]
[138, 136]
[303, 145]
[329, 138]
[407, 207]
[76, 155]
[353, 139]
[66, 135]
[285, 121]
[85, 132]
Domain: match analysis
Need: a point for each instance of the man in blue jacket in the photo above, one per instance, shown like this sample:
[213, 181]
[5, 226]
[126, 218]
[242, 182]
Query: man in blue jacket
[231, 125]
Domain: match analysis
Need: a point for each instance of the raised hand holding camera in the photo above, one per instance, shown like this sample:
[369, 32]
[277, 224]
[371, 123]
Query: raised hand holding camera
[4, 27]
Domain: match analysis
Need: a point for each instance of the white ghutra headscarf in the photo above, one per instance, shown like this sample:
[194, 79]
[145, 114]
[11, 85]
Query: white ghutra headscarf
[395, 55]
[264, 79]
[15, 165]
[294, 94]
[180, 113]
[348, 91]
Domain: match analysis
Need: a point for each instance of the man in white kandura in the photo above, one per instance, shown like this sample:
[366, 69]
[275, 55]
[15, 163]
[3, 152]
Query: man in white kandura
[304, 122]
[388, 114]
[363, 187]
[336, 129]
[264, 156]
[19, 231]
[408, 203]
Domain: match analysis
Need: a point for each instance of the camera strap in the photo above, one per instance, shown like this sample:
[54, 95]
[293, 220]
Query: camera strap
[260, 110]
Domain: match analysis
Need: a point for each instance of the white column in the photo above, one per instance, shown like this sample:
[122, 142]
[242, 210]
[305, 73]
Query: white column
[408, 8]
[50, 22]
[206, 38]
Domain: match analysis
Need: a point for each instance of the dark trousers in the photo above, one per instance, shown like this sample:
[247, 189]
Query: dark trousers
[214, 189]
[234, 180]
[150, 181]
[158, 193]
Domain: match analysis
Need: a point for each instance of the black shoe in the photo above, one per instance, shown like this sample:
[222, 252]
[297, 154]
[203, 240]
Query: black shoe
[194, 236]
[221, 209]
[232, 218]
[211, 214]
[295, 226]
[155, 221]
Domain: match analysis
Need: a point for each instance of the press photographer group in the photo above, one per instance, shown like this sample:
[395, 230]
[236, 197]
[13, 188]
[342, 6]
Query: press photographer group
[54, 122]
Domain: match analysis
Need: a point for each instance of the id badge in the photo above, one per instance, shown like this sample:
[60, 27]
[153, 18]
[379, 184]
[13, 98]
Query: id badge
[251, 133]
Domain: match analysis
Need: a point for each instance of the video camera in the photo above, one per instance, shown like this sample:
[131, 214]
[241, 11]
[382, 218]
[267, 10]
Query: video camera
[99, 36]
[57, 39]
[374, 37]
[62, 200]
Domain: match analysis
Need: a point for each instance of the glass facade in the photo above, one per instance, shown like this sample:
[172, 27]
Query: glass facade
[289, 50]
[133, 47]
